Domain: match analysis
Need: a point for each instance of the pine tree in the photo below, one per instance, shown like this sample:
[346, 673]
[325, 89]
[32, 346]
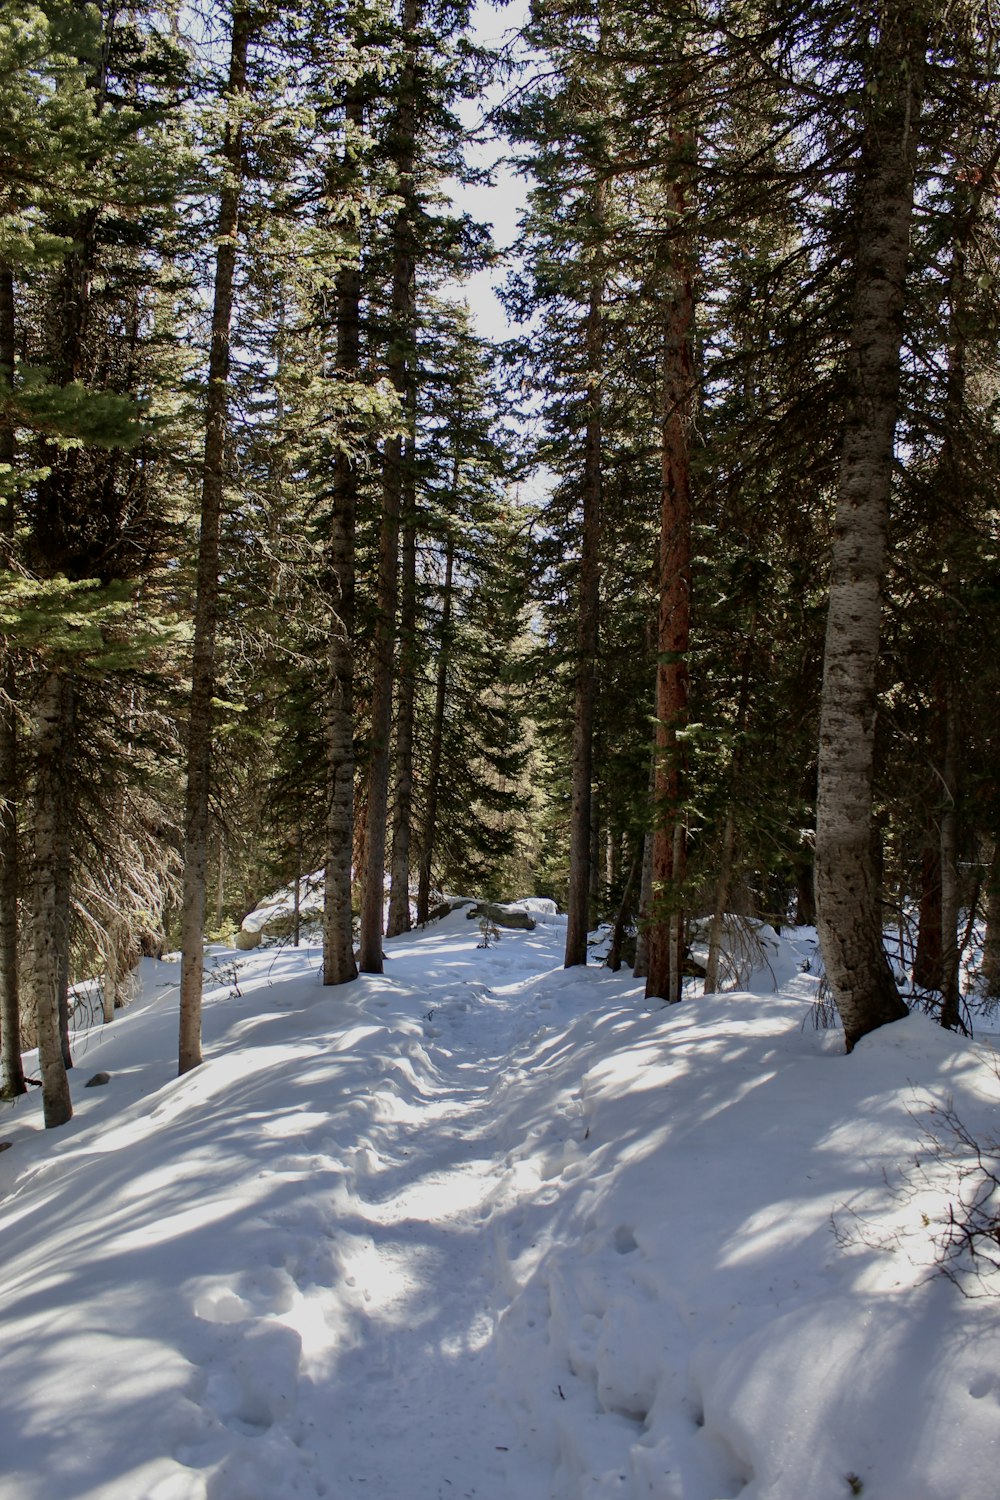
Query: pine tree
[89, 495]
[847, 890]
[244, 23]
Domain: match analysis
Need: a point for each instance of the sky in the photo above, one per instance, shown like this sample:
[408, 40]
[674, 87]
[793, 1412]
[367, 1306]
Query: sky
[500, 203]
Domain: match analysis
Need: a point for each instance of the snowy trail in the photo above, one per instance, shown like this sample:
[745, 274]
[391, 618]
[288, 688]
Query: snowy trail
[484, 1227]
[333, 1317]
[417, 1392]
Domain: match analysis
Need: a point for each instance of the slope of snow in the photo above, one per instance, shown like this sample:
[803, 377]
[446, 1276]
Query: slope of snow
[485, 1227]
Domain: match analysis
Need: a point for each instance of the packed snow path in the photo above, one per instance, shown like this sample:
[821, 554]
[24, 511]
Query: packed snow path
[484, 1227]
[328, 1316]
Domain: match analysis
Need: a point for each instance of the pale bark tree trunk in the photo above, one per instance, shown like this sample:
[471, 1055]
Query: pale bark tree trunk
[397, 364]
[665, 939]
[11, 1071]
[111, 974]
[199, 747]
[848, 896]
[50, 908]
[428, 832]
[578, 902]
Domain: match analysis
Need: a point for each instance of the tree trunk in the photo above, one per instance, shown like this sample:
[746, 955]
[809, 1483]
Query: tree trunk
[665, 940]
[63, 871]
[109, 988]
[398, 366]
[399, 885]
[989, 974]
[595, 857]
[927, 958]
[297, 895]
[373, 892]
[725, 874]
[578, 902]
[717, 927]
[640, 968]
[220, 883]
[199, 748]
[848, 896]
[50, 911]
[624, 911]
[428, 832]
[339, 966]
[953, 479]
[11, 1071]
[951, 1016]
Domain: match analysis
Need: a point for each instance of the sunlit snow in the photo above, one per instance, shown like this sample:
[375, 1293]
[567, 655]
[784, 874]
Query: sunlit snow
[484, 1227]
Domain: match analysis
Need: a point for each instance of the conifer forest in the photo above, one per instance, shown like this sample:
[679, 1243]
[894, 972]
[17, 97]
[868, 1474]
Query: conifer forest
[677, 600]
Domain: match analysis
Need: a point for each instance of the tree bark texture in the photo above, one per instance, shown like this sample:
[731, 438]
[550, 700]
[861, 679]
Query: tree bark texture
[927, 958]
[989, 975]
[724, 876]
[951, 1016]
[428, 831]
[403, 148]
[11, 1071]
[53, 739]
[588, 608]
[406, 688]
[665, 933]
[339, 966]
[848, 895]
[625, 910]
[199, 746]
[640, 968]
[952, 480]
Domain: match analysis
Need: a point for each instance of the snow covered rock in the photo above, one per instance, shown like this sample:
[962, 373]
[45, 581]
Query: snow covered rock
[504, 914]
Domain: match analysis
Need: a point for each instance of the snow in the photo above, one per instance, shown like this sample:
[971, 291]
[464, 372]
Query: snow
[281, 906]
[485, 1227]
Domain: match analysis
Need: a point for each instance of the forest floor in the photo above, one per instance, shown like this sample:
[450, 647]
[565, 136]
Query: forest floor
[483, 1227]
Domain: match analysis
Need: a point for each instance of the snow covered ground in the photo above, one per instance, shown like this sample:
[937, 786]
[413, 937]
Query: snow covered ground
[481, 1227]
